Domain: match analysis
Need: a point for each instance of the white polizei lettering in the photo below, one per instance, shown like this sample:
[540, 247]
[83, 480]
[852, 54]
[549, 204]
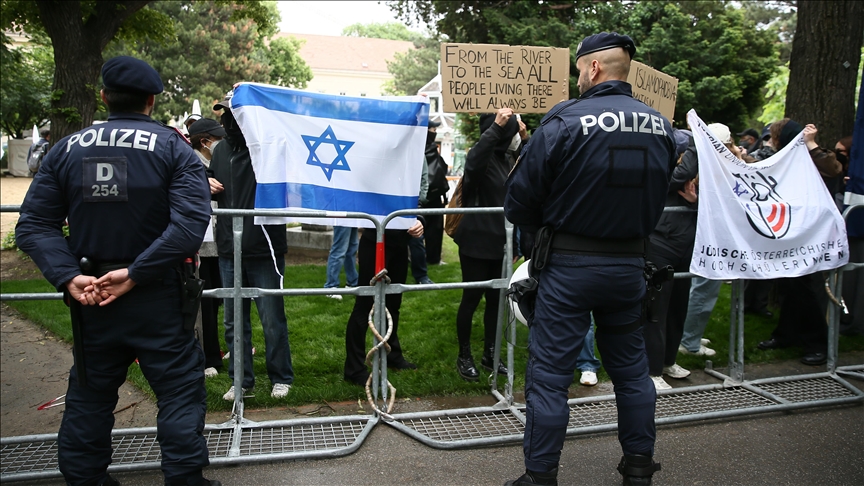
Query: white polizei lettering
[152, 142]
[604, 116]
[624, 127]
[141, 139]
[72, 139]
[84, 142]
[588, 121]
[104, 172]
[126, 132]
[113, 135]
[657, 125]
[643, 127]
[99, 141]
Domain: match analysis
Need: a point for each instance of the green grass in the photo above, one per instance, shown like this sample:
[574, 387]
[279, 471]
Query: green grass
[427, 330]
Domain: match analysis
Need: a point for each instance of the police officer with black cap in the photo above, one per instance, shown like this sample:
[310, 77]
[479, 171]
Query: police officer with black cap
[137, 202]
[595, 176]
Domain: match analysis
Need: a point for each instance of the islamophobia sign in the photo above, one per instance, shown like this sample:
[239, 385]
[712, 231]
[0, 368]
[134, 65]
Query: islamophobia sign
[654, 88]
[771, 219]
[486, 77]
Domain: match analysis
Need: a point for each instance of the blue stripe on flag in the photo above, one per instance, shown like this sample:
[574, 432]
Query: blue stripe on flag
[283, 195]
[331, 106]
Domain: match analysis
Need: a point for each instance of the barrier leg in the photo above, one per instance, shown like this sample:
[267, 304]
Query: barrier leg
[506, 271]
[835, 286]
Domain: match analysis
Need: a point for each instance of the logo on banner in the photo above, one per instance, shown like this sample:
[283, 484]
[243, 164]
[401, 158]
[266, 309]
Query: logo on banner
[328, 137]
[768, 214]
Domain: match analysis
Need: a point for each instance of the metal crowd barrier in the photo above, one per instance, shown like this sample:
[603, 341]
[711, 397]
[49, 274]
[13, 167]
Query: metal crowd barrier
[243, 441]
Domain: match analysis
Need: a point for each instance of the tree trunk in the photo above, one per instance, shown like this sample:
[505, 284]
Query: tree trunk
[78, 57]
[823, 68]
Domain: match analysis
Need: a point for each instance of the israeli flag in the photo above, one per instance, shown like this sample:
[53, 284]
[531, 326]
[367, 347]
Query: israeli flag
[321, 152]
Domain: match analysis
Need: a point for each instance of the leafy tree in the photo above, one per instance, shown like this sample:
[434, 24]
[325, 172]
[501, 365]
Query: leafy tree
[80, 31]
[775, 106]
[384, 30]
[719, 57]
[25, 87]
[211, 50]
[822, 75]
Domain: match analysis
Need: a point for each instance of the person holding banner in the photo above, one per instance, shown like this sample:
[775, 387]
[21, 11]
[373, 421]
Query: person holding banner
[605, 150]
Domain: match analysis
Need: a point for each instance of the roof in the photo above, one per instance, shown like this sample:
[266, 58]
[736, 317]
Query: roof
[348, 53]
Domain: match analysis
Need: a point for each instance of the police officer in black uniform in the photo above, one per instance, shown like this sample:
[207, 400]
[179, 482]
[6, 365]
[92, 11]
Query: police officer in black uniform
[596, 172]
[137, 201]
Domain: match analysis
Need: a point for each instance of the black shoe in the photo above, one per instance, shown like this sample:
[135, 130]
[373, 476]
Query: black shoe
[772, 343]
[359, 380]
[402, 364]
[107, 481]
[814, 359]
[637, 470]
[487, 361]
[466, 368]
[425, 281]
[533, 478]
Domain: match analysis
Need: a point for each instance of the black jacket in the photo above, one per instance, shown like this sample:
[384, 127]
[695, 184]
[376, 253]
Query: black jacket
[486, 169]
[232, 166]
[676, 231]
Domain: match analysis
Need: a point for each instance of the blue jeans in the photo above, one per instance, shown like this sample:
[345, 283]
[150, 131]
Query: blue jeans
[703, 297]
[586, 360]
[343, 252]
[260, 273]
[418, 258]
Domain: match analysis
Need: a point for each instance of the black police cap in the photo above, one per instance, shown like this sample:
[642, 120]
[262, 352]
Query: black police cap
[750, 131]
[603, 41]
[128, 74]
[206, 125]
[434, 124]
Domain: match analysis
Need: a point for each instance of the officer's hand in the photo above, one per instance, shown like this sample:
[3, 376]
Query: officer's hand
[417, 230]
[503, 116]
[113, 285]
[81, 288]
[215, 186]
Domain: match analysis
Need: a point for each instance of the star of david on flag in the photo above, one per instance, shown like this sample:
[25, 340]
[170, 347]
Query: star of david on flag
[312, 151]
[328, 137]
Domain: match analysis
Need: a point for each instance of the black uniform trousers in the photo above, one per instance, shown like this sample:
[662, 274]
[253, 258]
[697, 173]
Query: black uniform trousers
[396, 262]
[572, 287]
[146, 324]
[664, 323]
[802, 313]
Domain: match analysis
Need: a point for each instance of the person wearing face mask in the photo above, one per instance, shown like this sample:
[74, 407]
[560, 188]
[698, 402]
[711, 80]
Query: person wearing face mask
[263, 264]
[205, 134]
[481, 237]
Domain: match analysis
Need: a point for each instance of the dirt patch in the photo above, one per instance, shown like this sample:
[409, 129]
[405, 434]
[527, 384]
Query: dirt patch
[14, 266]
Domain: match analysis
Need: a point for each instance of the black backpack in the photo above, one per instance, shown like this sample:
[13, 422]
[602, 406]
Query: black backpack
[34, 159]
[438, 185]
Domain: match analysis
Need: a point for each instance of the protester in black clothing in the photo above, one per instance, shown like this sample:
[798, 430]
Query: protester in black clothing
[481, 237]
[436, 196]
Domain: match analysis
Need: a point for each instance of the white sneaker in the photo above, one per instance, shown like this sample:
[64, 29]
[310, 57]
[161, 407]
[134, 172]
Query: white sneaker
[676, 372]
[280, 390]
[660, 384]
[588, 378]
[226, 356]
[210, 372]
[334, 296]
[229, 395]
[703, 351]
[704, 342]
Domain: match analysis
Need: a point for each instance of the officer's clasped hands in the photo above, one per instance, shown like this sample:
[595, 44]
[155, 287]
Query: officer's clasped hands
[82, 289]
[112, 285]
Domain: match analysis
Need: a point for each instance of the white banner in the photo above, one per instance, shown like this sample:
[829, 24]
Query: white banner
[771, 219]
[333, 153]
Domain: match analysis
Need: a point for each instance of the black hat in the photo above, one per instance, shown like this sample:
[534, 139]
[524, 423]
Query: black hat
[750, 131]
[603, 41]
[206, 125]
[128, 74]
[225, 103]
[789, 132]
[766, 132]
[434, 124]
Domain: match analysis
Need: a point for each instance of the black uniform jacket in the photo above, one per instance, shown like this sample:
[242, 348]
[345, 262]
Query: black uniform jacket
[133, 190]
[232, 166]
[597, 167]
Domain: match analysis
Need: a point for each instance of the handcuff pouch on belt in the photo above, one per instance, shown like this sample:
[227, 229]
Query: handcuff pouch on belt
[524, 292]
[191, 288]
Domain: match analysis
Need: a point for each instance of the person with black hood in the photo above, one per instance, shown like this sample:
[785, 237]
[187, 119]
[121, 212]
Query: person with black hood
[481, 237]
[263, 263]
[805, 302]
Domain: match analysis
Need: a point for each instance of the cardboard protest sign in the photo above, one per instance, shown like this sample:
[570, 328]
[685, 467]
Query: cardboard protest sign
[486, 77]
[654, 88]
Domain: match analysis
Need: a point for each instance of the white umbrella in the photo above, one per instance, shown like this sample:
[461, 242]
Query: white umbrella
[35, 133]
[196, 108]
